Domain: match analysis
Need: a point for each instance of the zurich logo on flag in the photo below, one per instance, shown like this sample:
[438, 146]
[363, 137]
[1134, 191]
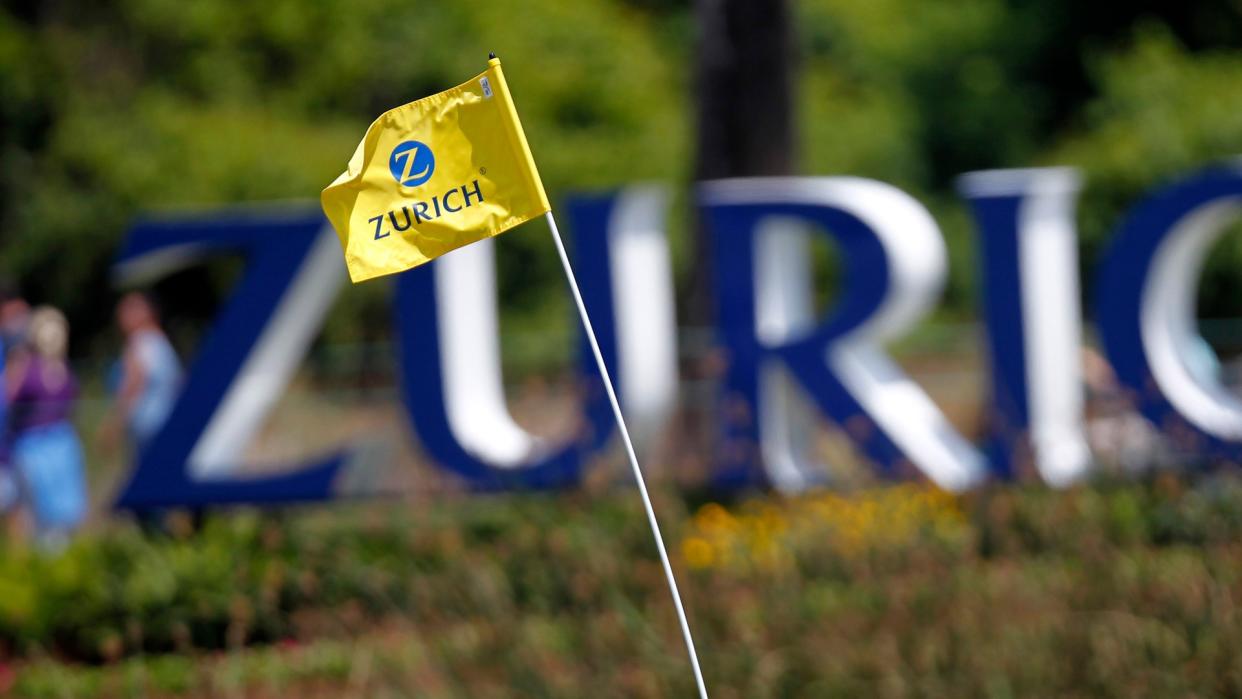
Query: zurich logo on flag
[411, 163]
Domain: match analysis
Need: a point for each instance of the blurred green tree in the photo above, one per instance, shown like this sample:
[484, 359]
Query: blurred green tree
[155, 104]
[107, 110]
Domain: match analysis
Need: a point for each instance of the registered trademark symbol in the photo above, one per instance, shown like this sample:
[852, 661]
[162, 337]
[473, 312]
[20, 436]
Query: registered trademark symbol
[482, 171]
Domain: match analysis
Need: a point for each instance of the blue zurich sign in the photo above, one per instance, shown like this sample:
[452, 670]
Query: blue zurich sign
[777, 350]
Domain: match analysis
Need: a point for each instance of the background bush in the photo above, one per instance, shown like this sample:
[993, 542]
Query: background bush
[1112, 590]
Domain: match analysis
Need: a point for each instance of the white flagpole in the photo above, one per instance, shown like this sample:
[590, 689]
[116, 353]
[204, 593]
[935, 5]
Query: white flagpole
[629, 450]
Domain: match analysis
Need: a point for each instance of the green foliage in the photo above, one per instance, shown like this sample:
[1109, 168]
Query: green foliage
[916, 93]
[153, 104]
[1111, 590]
[108, 110]
[1162, 111]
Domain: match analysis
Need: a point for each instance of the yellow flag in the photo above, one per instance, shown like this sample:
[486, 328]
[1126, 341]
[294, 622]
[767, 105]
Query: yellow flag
[434, 175]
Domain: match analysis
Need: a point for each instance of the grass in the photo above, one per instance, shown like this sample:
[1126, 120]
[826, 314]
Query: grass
[1119, 589]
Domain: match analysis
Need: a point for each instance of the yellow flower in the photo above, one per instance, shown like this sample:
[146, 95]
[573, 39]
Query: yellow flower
[697, 552]
[713, 517]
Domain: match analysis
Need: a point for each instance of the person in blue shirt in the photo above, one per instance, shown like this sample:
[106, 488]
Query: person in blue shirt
[151, 373]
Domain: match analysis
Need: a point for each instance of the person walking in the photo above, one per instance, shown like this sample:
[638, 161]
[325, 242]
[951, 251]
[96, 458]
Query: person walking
[151, 373]
[45, 449]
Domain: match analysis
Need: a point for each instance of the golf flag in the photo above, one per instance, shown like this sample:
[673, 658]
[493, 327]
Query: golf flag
[434, 175]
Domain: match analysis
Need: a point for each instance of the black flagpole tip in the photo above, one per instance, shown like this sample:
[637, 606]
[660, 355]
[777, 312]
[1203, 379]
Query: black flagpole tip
[491, 55]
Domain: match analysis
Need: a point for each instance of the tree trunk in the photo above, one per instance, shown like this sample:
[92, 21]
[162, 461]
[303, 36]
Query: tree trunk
[744, 118]
[743, 77]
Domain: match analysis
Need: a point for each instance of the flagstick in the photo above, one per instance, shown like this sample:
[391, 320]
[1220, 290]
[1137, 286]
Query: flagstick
[629, 450]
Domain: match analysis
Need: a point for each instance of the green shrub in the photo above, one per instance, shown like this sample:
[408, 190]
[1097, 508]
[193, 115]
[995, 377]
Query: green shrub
[1111, 590]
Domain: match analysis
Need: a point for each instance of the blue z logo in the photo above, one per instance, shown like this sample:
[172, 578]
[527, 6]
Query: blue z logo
[411, 163]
